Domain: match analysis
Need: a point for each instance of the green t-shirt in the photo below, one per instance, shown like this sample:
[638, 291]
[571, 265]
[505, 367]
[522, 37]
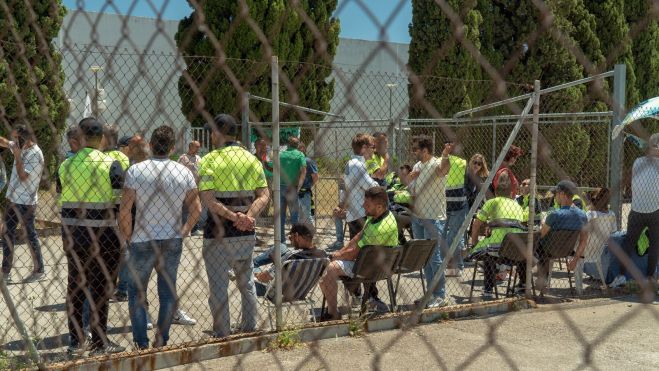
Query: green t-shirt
[292, 162]
[382, 231]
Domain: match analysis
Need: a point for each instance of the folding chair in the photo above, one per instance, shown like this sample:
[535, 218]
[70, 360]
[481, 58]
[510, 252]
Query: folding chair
[373, 264]
[599, 231]
[299, 277]
[511, 253]
[413, 257]
[557, 244]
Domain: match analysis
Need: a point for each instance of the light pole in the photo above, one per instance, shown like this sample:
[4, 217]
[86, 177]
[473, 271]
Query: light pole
[391, 87]
[95, 70]
[391, 90]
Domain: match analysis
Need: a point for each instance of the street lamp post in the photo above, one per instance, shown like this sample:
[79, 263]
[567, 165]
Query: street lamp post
[391, 90]
[391, 87]
[95, 70]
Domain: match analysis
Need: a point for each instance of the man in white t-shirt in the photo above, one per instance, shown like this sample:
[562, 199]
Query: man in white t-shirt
[428, 190]
[22, 200]
[159, 188]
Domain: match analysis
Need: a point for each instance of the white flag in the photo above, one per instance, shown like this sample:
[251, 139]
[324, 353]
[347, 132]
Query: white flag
[88, 106]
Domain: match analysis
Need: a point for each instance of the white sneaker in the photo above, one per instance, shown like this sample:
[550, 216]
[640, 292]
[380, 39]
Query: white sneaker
[618, 281]
[439, 302]
[182, 318]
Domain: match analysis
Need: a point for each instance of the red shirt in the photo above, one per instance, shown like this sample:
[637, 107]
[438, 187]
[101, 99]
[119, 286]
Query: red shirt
[513, 181]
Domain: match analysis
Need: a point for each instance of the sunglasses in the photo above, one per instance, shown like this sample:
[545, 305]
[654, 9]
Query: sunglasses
[525, 184]
[479, 163]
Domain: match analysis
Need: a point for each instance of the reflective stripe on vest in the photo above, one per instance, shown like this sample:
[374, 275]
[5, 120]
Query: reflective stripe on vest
[88, 205]
[89, 222]
[504, 223]
[233, 194]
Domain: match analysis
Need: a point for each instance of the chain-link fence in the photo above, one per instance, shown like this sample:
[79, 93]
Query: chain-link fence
[324, 193]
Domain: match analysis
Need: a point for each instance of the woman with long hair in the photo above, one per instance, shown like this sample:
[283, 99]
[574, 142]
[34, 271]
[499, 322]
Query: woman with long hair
[477, 172]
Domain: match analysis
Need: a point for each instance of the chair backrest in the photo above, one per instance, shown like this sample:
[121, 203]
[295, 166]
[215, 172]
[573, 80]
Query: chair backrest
[299, 277]
[375, 263]
[600, 229]
[559, 243]
[414, 255]
[514, 244]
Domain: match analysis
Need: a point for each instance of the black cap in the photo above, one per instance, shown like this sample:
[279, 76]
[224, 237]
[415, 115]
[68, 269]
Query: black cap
[91, 127]
[124, 141]
[566, 187]
[223, 123]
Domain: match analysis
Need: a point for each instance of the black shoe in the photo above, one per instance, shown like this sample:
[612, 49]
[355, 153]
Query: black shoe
[110, 348]
[327, 317]
[120, 296]
[75, 350]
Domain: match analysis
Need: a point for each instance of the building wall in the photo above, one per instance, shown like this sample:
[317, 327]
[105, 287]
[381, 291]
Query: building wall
[141, 72]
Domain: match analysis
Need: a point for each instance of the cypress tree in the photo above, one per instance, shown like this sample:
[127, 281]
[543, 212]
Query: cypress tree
[31, 75]
[613, 33]
[446, 70]
[305, 56]
[645, 46]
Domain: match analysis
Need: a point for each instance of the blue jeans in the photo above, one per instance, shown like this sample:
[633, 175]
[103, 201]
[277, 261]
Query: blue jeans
[164, 256]
[266, 256]
[453, 223]
[338, 226]
[288, 198]
[430, 229]
[25, 215]
[304, 210]
[124, 275]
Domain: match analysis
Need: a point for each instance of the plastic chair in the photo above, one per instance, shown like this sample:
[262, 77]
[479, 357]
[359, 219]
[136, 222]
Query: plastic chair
[299, 277]
[413, 257]
[599, 229]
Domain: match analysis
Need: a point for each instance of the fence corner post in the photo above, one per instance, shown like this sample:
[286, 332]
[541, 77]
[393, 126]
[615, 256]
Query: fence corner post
[617, 153]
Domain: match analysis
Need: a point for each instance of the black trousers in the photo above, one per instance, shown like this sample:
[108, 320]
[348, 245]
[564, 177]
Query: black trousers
[93, 256]
[635, 225]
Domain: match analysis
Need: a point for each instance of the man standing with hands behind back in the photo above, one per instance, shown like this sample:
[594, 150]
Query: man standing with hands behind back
[234, 189]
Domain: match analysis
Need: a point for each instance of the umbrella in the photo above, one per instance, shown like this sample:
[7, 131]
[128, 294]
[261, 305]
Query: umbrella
[649, 108]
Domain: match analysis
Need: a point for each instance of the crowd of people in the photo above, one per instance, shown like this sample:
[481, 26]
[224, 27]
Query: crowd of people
[126, 208]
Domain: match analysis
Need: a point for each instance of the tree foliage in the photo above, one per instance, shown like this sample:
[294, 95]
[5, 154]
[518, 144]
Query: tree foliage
[522, 44]
[31, 75]
[305, 49]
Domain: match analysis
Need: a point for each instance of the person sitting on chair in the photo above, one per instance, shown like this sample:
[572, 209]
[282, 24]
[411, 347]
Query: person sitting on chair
[569, 217]
[380, 229]
[301, 237]
[503, 215]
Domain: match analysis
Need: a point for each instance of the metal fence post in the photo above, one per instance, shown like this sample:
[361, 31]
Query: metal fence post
[31, 349]
[532, 187]
[276, 188]
[245, 120]
[619, 105]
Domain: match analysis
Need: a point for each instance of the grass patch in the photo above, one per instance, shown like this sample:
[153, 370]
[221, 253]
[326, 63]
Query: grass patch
[286, 340]
[356, 328]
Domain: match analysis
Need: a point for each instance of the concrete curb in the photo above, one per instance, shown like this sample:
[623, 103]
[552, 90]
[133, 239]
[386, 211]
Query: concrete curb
[241, 344]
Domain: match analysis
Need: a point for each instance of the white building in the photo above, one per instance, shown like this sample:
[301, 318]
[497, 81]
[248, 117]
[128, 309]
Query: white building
[141, 72]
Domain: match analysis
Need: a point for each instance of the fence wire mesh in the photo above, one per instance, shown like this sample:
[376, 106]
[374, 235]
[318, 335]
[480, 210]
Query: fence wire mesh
[437, 181]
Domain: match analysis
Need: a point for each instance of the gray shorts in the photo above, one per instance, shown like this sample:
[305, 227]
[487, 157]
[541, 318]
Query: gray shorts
[346, 266]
